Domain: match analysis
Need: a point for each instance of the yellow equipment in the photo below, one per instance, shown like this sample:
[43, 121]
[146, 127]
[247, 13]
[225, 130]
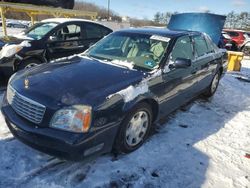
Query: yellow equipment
[32, 11]
[234, 60]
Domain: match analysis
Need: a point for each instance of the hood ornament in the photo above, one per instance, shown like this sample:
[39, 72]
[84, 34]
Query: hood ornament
[26, 83]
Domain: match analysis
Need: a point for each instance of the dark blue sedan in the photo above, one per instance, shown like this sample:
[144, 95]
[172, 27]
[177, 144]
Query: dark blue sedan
[110, 96]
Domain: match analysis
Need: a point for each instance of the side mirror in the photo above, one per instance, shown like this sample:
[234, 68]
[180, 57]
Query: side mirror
[52, 38]
[180, 63]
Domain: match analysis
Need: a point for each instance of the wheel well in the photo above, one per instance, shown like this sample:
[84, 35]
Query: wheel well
[221, 70]
[154, 105]
[16, 65]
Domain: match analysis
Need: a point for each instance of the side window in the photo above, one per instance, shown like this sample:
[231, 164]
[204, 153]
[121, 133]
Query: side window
[200, 46]
[93, 31]
[233, 34]
[210, 45]
[183, 49]
[68, 32]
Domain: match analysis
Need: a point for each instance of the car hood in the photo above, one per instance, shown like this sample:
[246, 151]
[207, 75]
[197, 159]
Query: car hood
[211, 24]
[75, 80]
[11, 40]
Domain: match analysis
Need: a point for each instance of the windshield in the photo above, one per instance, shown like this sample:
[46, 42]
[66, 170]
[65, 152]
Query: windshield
[131, 50]
[39, 30]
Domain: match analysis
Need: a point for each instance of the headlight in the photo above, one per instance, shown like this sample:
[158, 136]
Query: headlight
[10, 50]
[74, 119]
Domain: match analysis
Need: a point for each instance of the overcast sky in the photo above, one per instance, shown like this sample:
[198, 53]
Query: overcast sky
[147, 8]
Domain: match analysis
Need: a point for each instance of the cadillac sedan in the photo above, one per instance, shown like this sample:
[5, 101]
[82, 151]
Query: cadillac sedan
[109, 97]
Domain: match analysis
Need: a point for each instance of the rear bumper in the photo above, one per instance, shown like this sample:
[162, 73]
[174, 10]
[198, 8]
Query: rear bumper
[62, 144]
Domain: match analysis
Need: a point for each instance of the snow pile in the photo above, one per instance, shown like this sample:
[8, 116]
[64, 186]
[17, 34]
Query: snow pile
[129, 65]
[201, 145]
[132, 92]
[11, 31]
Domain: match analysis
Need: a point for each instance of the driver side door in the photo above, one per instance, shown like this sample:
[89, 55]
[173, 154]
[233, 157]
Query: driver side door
[66, 41]
[175, 88]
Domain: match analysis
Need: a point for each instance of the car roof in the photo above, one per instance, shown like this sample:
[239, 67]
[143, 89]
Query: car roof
[65, 20]
[160, 31]
[234, 30]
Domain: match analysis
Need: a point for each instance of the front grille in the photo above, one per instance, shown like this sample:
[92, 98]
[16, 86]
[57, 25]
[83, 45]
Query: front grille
[25, 107]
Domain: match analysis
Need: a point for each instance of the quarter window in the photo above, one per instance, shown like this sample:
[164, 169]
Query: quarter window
[183, 49]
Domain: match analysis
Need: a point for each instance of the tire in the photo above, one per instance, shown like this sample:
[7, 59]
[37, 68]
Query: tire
[28, 63]
[130, 127]
[246, 50]
[213, 85]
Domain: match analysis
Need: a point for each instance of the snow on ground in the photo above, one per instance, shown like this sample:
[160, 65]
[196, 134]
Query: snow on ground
[202, 145]
[11, 31]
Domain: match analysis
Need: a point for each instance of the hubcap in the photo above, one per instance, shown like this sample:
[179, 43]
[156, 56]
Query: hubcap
[137, 128]
[30, 65]
[215, 83]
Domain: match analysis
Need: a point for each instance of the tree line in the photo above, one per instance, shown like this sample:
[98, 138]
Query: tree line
[233, 21]
[85, 6]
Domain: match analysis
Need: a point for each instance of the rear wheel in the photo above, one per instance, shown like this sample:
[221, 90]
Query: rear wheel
[213, 86]
[134, 129]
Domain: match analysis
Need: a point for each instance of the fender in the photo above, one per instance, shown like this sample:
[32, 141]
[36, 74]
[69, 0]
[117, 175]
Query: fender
[148, 98]
[246, 43]
[39, 57]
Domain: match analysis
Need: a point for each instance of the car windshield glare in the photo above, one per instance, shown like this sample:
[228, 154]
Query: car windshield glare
[39, 30]
[131, 49]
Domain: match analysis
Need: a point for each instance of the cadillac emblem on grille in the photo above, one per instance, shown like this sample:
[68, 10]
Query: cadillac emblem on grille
[26, 83]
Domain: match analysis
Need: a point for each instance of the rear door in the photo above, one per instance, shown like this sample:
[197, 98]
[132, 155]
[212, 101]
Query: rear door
[94, 32]
[65, 41]
[204, 63]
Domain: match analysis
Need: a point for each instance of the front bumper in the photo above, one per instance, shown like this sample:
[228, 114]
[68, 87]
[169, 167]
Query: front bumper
[62, 144]
[7, 67]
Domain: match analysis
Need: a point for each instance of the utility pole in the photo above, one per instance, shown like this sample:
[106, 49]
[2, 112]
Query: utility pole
[108, 9]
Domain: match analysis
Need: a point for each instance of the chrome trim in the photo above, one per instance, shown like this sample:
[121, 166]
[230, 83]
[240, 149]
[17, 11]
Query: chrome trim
[25, 107]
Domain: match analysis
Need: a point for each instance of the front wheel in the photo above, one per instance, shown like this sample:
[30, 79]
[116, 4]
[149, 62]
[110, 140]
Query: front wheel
[134, 129]
[28, 64]
[213, 86]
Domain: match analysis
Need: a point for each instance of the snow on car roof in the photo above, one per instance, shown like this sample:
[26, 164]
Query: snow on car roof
[64, 20]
